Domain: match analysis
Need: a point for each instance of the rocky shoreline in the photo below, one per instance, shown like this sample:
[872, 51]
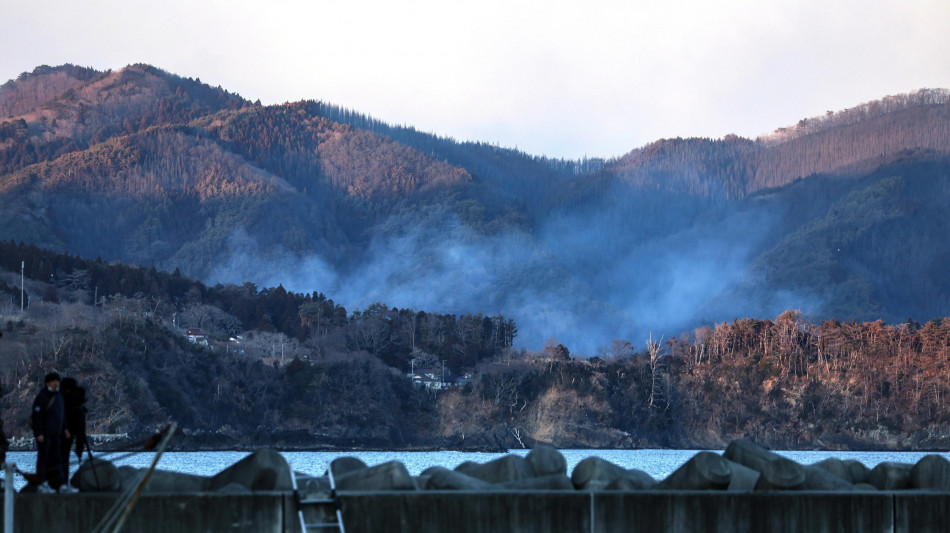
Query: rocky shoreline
[745, 488]
[304, 441]
[742, 466]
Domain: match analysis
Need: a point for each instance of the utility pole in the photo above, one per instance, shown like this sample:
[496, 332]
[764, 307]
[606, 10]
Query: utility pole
[22, 269]
[443, 373]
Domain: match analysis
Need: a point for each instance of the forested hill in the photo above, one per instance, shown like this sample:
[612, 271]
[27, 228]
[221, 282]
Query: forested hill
[848, 142]
[839, 215]
[244, 367]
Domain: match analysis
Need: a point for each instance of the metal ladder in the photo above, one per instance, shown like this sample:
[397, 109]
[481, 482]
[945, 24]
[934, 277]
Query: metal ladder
[319, 503]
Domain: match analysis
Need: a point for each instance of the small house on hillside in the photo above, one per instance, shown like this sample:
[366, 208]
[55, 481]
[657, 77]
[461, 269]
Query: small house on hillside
[197, 336]
[431, 379]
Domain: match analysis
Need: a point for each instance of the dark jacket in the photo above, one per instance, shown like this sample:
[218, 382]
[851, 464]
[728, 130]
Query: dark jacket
[49, 414]
[74, 400]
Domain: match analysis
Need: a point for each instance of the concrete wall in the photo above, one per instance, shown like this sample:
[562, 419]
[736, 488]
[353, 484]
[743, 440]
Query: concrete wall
[775, 512]
[647, 512]
[467, 512]
[924, 512]
[158, 513]
[494, 512]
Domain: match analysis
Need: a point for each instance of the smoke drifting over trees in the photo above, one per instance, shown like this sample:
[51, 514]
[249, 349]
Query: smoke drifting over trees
[837, 216]
[306, 372]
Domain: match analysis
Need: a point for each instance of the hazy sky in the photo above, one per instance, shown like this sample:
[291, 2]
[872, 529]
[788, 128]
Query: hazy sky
[563, 79]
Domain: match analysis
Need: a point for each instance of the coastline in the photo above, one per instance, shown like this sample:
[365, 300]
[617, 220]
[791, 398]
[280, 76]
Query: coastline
[112, 443]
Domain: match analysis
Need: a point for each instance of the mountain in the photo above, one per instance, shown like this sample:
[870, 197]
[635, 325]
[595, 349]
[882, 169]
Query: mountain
[855, 140]
[839, 216]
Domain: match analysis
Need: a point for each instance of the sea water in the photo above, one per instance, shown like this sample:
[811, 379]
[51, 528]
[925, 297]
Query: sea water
[657, 463]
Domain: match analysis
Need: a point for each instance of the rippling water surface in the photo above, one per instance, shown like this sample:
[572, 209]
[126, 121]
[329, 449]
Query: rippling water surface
[657, 463]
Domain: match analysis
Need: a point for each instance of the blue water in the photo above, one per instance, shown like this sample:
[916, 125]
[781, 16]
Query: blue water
[657, 463]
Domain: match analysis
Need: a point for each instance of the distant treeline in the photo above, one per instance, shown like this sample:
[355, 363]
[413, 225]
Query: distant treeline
[788, 382]
[82, 107]
[322, 326]
[795, 382]
[852, 140]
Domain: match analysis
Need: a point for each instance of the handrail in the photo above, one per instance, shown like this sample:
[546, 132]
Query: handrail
[128, 498]
[8, 469]
[293, 480]
[148, 473]
[304, 526]
[336, 500]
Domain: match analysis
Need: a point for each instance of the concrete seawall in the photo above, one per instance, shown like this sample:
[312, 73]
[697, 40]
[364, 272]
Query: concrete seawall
[509, 511]
[182, 513]
[745, 489]
[648, 512]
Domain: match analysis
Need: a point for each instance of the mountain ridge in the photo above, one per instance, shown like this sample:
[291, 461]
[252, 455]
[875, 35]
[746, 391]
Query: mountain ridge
[142, 166]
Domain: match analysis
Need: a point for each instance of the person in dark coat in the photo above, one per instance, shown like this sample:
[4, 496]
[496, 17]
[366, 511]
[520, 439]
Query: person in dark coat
[74, 398]
[49, 428]
[4, 442]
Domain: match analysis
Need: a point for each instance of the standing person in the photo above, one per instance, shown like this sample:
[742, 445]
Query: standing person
[4, 442]
[49, 427]
[74, 398]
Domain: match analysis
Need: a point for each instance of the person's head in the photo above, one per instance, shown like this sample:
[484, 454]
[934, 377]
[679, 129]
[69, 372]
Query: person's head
[67, 384]
[52, 381]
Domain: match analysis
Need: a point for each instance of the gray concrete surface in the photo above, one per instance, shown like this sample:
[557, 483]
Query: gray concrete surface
[568, 511]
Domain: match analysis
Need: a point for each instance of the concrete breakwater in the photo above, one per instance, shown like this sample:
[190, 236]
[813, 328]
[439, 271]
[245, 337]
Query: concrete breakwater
[746, 488]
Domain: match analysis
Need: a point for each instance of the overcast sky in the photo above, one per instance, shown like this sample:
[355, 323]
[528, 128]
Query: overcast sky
[562, 79]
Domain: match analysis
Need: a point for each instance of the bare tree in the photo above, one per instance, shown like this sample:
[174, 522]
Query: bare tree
[657, 379]
[371, 334]
[273, 346]
[423, 359]
[209, 318]
[409, 324]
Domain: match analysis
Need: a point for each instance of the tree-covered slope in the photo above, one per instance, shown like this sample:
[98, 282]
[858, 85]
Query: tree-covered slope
[276, 368]
[145, 167]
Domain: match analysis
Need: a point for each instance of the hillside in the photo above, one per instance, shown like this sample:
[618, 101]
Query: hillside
[837, 216]
[298, 371]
